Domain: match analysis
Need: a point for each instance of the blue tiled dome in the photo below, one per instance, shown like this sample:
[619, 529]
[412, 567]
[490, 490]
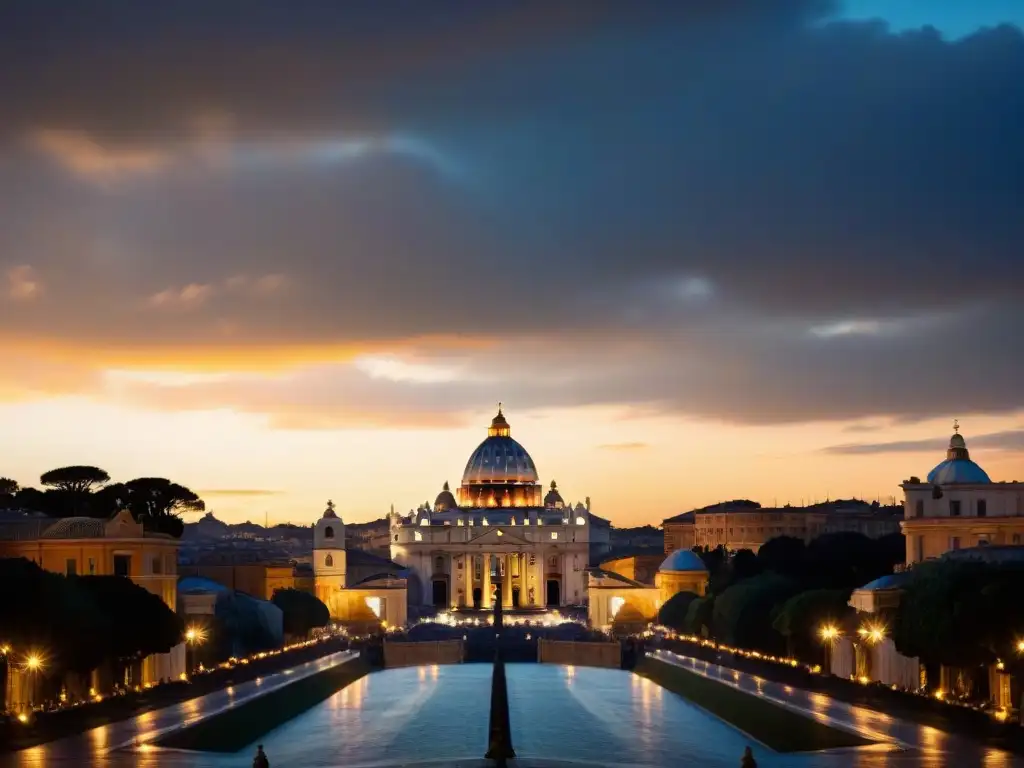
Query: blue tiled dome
[958, 467]
[683, 560]
[889, 581]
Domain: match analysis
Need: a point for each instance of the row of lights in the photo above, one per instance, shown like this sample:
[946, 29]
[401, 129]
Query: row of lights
[870, 633]
[194, 635]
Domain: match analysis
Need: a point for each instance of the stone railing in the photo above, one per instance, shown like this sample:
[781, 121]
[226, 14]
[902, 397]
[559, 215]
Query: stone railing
[583, 654]
[399, 654]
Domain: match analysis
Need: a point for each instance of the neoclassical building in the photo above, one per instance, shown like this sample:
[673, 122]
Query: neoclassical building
[498, 521]
[958, 507]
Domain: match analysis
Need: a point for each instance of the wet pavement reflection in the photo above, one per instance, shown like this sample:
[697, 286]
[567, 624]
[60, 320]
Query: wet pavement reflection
[589, 716]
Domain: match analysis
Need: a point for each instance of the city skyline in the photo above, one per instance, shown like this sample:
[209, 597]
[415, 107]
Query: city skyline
[311, 271]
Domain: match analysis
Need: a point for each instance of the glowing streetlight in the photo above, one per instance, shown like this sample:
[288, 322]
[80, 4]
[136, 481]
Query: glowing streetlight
[1020, 646]
[195, 636]
[33, 662]
[828, 633]
[873, 633]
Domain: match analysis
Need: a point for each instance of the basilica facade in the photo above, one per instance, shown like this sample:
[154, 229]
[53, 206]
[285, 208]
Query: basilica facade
[497, 523]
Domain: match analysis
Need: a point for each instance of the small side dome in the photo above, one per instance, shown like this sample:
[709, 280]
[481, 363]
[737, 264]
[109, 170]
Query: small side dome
[683, 560]
[958, 467]
[445, 500]
[553, 497]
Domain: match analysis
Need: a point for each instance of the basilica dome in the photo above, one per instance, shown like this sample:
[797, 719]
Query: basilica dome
[958, 467]
[499, 458]
[500, 473]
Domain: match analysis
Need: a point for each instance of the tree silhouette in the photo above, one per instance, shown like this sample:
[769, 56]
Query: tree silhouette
[77, 479]
[8, 487]
[157, 503]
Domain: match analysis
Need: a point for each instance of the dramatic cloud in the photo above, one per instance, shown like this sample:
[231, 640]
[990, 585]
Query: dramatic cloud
[734, 210]
[1010, 440]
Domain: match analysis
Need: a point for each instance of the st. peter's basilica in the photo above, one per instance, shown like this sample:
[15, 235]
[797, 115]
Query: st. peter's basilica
[498, 522]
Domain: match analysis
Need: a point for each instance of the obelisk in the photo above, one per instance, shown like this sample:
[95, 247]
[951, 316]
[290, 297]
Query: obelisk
[499, 746]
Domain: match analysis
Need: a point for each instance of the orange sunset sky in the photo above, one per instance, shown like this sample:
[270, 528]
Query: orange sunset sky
[699, 253]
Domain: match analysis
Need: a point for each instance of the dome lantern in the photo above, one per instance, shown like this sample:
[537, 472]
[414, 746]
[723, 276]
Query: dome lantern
[958, 467]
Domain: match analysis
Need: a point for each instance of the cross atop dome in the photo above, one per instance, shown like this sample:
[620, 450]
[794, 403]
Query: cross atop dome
[956, 425]
[329, 512]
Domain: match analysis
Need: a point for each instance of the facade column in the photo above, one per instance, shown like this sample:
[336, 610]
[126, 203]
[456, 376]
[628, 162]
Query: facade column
[506, 584]
[485, 593]
[542, 582]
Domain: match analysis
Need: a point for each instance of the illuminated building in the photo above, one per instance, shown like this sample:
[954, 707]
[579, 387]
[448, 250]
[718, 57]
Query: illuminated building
[119, 546]
[378, 598]
[958, 506]
[498, 522]
[624, 596]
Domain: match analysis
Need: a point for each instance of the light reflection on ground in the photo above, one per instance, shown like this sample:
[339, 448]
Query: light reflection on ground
[588, 716]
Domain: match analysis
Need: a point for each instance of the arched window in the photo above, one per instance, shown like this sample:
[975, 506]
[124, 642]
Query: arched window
[329, 561]
[329, 532]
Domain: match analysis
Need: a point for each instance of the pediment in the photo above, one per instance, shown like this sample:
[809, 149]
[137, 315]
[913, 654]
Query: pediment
[498, 537]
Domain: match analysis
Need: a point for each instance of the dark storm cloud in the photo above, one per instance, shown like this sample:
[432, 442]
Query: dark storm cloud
[718, 208]
[1010, 440]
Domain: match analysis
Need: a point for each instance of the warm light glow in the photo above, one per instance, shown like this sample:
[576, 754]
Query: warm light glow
[829, 633]
[580, 521]
[195, 635]
[873, 633]
[1020, 646]
[615, 605]
[417, 536]
[554, 534]
[22, 717]
[939, 694]
[5, 649]
[33, 662]
[373, 603]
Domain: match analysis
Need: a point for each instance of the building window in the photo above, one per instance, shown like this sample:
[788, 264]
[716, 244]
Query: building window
[122, 565]
[954, 542]
[70, 567]
[329, 562]
[982, 508]
[417, 536]
[954, 508]
[919, 508]
[554, 534]
[92, 566]
[157, 565]
[1016, 538]
[329, 532]
[919, 543]
[580, 520]
[439, 565]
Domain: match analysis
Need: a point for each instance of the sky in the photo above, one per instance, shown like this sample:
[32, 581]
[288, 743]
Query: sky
[282, 253]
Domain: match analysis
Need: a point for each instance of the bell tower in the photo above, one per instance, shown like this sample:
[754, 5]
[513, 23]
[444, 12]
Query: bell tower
[328, 555]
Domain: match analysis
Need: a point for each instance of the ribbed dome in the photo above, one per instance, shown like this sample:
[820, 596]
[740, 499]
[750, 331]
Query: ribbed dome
[499, 459]
[75, 528]
[445, 500]
[683, 560]
[958, 467]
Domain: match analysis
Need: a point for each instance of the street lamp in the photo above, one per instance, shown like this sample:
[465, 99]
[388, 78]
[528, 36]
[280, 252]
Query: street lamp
[194, 637]
[828, 633]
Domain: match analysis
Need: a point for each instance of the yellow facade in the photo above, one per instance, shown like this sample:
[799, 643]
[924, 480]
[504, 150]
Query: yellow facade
[115, 547]
[94, 547]
[743, 525]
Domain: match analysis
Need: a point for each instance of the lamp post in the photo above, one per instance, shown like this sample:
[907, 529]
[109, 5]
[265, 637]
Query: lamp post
[828, 634]
[33, 663]
[194, 637]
